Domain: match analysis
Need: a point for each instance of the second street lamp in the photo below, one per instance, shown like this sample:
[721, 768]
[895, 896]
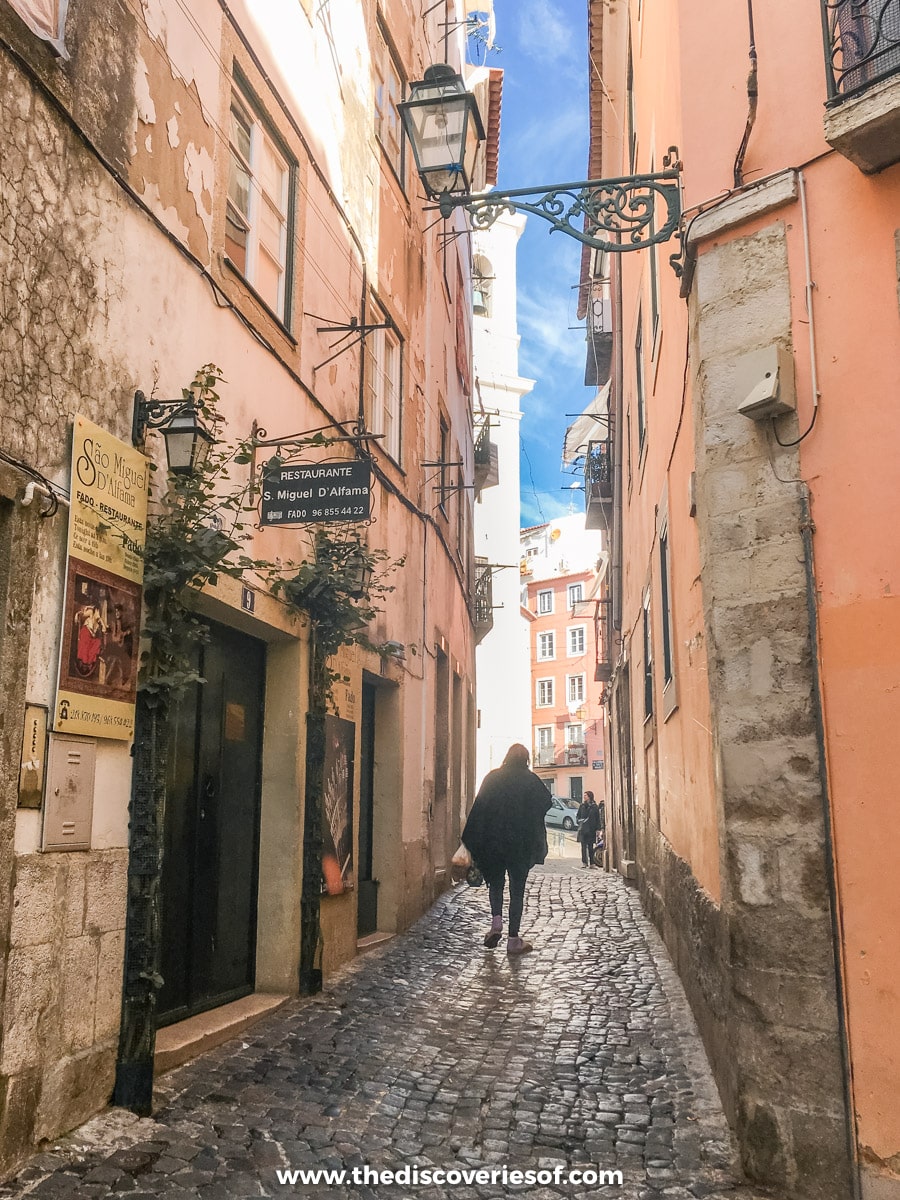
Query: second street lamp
[614, 215]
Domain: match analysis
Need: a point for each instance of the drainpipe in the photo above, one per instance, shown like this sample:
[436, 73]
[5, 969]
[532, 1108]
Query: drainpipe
[807, 529]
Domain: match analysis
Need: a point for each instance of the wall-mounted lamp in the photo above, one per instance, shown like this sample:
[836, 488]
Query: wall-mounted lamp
[444, 128]
[188, 441]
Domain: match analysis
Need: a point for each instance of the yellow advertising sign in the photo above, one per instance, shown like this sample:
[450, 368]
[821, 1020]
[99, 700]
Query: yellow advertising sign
[102, 614]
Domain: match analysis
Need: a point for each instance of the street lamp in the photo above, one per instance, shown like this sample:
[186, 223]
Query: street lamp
[188, 441]
[443, 126]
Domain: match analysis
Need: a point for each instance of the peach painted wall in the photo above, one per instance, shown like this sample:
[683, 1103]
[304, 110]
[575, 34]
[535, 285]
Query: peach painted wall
[674, 775]
[849, 462]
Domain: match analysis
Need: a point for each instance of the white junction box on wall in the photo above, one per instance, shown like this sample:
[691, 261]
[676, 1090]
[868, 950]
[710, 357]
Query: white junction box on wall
[764, 382]
[69, 801]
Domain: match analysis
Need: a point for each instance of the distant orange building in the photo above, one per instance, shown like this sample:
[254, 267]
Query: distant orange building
[567, 714]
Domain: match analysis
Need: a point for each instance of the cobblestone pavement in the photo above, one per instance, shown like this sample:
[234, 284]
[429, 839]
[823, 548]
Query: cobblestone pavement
[433, 1052]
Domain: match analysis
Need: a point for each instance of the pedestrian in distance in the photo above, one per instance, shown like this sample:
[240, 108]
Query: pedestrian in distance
[506, 835]
[588, 821]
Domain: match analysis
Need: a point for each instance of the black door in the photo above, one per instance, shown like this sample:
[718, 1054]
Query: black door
[209, 875]
[367, 887]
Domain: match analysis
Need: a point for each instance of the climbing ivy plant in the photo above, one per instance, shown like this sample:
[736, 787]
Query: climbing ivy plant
[199, 529]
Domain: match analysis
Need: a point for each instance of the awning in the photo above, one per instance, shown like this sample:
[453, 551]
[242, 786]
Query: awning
[591, 426]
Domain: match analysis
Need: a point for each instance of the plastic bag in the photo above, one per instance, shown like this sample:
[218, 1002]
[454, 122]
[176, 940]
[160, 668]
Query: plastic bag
[460, 864]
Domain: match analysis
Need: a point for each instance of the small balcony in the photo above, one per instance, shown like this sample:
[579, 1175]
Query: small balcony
[487, 472]
[483, 599]
[545, 756]
[604, 663]
[862, 63]
[598, 485]
[576, 754]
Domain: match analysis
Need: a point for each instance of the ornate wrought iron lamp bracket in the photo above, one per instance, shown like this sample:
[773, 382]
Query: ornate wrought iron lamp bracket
[612, 215]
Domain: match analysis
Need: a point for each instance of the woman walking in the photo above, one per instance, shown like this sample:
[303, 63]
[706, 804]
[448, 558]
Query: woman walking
[505, 834]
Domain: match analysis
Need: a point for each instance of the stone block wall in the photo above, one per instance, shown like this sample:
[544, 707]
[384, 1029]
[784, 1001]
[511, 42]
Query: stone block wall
[783, 1068]
[63, 993]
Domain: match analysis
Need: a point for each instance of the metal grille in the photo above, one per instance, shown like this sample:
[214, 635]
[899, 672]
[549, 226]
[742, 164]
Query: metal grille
[862, 44]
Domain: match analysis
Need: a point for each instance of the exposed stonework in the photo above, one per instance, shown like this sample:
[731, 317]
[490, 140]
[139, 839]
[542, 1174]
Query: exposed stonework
[775, 1044]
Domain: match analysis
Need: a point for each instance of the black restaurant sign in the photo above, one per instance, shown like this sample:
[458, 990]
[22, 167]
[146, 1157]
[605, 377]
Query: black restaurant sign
[331, 491]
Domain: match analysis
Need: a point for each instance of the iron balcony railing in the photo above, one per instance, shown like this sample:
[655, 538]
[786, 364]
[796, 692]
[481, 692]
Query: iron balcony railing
[604, 663]
[576, 754]
[598, 484]
[545, 756]
[483, 598]
[486, 460]
[862, 44]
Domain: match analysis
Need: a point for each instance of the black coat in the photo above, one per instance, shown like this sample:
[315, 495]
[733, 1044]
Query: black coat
[505, 829]
[588, 817]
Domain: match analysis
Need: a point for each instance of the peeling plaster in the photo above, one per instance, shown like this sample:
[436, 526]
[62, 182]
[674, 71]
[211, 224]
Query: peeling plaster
[190, 58]
[172, 130]
[145, 108]
[168, 216]
[199, 172]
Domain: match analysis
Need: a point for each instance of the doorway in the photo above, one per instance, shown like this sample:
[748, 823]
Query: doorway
[209, 874]
[367, 886]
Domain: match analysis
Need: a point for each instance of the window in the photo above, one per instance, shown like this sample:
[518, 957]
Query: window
[574, 735]
[639, 383]
[444, 467]
[576, 641]
[545, 693]
[546, 646]
[385, 382]
[545, 737]
[46, 19]
[575, 689]
[545, 602]
[388, 90]
[545, 752]
[670, 691]
[531, 551]
[648, 658]
[576, 593]
[256, 218]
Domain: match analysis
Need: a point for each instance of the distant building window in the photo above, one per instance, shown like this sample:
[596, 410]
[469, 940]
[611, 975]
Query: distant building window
[545, 693]
[574, 735]
[576, 593]
[576, 640]
[385, 383]
[545, 602]
[648, 658]
[46, 19]
[545, 737]
[388, 91]
[531, 551]
[546, 646]
[575, 689]
[256, 218]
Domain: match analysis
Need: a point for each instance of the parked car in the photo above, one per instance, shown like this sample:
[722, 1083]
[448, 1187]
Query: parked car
[561, 814]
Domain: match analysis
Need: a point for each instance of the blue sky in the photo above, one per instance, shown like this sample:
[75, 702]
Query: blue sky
[544, 140]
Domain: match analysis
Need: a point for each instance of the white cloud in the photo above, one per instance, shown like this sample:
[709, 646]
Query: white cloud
[544, 33]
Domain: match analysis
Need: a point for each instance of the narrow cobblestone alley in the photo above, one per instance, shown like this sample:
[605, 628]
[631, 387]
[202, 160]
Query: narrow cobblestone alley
[436, 1053]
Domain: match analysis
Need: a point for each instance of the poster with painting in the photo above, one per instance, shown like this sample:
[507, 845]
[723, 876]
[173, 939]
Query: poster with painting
[337, 805]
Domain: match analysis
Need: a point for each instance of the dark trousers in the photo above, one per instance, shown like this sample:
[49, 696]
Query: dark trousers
[516, 897]
[586, 848]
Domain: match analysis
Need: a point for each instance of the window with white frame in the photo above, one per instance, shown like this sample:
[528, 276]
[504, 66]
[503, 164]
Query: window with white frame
[388, 93]
[575, 689]
[574, 735]
[576, 637]
[544, 747]
[544, 690]
[546, 646]
[575, 593]
[257, 210]
[384, 372]
[545, 602]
